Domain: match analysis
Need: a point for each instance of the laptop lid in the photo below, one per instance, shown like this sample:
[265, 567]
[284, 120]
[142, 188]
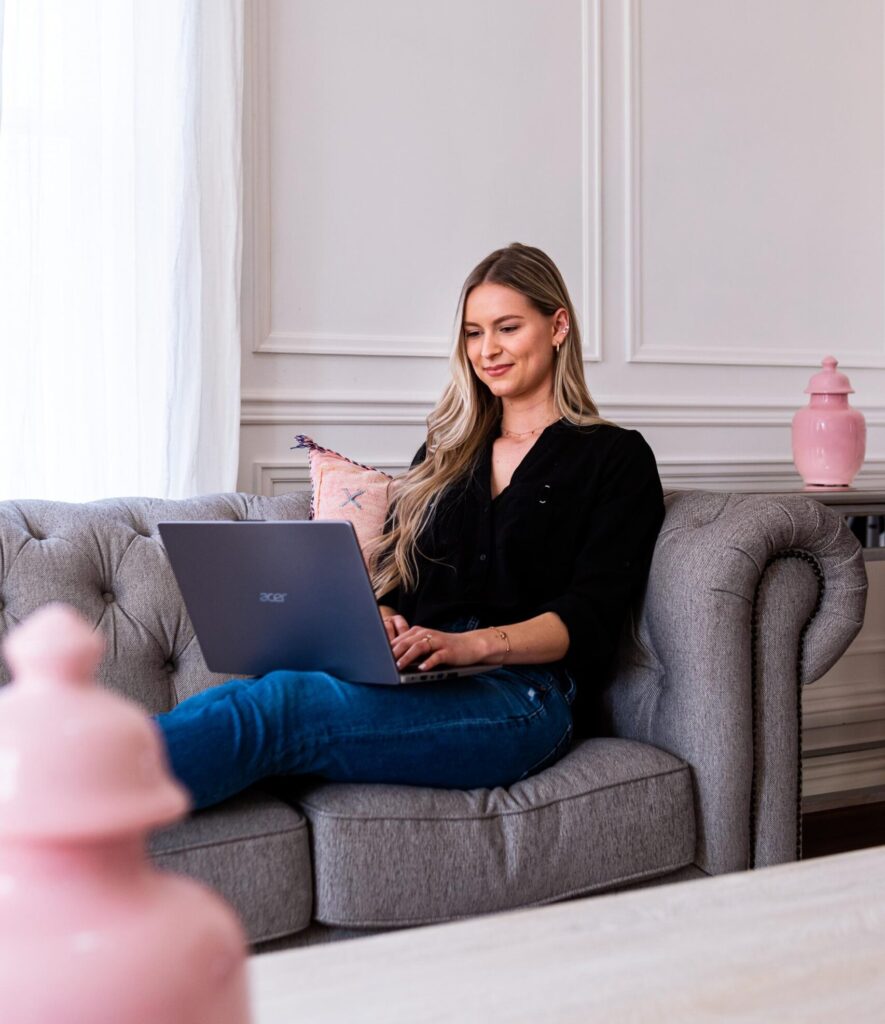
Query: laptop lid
[292, 594]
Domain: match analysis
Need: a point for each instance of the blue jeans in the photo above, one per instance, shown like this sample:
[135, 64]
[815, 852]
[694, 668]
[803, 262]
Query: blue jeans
[479, 731]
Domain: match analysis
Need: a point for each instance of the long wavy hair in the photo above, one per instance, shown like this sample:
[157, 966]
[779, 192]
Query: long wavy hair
[468, 411]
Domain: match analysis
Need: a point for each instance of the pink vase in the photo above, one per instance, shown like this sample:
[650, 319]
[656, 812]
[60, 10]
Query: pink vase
[829, 437]
[90, 931]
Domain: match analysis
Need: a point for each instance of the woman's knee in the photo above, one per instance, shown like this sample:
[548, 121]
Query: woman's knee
[306, 701]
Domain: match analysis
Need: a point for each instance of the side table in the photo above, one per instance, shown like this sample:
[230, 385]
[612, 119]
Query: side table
[802, 941]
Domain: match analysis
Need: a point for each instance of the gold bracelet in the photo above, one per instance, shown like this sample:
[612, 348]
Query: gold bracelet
[503, 636]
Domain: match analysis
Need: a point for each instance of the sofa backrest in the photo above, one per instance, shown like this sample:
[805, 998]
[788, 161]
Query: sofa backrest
[107, 560]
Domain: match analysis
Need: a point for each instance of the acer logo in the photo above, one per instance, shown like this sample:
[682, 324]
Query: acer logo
[273, 598]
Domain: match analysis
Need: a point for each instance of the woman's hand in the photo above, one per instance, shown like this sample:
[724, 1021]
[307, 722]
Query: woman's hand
[448, 648]
[394, 623]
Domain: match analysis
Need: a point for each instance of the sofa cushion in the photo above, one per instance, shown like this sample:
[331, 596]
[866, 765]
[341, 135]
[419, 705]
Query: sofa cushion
[252, 849]
[344, 489]
[610, 811]
[106, 559]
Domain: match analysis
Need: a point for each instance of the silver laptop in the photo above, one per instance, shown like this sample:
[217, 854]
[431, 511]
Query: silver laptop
[286, 595]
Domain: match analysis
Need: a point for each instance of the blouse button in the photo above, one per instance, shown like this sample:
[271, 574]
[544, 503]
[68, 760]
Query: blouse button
[482, 558]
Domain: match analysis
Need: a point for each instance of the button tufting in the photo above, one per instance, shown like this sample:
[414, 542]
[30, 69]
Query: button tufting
[108, 597]
[169, 667]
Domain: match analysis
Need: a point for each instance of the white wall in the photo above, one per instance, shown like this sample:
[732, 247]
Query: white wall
[708, 174]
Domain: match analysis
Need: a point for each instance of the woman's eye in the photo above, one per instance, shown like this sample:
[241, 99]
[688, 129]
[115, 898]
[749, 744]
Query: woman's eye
[473, 334]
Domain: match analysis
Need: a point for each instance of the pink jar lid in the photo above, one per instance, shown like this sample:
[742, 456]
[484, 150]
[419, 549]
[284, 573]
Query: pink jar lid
[829, 381]
[77, 761]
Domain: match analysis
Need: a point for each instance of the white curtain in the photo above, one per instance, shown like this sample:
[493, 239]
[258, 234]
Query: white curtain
[120, 247]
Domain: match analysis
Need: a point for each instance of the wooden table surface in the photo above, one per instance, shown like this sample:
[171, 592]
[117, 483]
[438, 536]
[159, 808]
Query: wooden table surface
[796, 942]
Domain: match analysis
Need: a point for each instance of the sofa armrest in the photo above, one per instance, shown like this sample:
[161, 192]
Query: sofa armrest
[748, 598]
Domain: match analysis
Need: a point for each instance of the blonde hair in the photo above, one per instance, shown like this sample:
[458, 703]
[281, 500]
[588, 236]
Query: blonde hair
[468, 411]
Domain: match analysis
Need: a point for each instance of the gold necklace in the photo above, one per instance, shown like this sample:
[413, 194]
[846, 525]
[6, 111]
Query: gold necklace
[526, 433]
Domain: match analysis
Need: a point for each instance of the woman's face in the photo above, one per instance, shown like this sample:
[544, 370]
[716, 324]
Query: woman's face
[502, 328]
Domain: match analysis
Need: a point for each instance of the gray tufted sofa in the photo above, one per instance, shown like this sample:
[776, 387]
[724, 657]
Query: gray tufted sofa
[695, 771]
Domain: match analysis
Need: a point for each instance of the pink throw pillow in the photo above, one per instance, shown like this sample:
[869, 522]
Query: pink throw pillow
[344, 489]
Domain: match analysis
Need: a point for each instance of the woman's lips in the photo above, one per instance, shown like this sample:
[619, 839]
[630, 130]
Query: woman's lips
[496, 371]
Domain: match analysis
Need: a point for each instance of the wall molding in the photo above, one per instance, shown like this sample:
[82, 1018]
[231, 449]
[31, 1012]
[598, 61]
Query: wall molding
[863, 646]
[392, 408]
[591, 180]
[676, 475]
[367, 408]
[847, 711]
[852, 695]
[699, 355]
[837, 773]
[307, 409]
[846, 701]
[761, 474]
[255, 313]
[279, 476]
[257, 318]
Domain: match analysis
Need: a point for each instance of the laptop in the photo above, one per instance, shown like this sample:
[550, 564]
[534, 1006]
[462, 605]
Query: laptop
[294, 594]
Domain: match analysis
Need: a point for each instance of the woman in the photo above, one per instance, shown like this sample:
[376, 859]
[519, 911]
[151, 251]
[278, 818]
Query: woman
[518, 537]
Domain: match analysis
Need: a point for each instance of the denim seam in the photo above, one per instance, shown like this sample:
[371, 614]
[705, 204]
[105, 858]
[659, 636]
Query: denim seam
[567, 697]
[430, 729]
[551, 683]
[550, 753]
[459, 725]
[486, 817]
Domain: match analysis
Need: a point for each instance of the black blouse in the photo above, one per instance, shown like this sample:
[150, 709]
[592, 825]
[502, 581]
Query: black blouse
[573, 533]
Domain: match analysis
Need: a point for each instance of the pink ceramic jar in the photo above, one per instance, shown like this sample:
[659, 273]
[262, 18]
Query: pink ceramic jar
[90, 932]
[829, 437]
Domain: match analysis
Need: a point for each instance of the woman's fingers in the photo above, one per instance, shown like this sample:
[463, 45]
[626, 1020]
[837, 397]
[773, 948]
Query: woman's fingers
[400, 623]
[432, 658]
[415, 647]
[415, 651]
[404, 640]
[395, 625]
[458, 648]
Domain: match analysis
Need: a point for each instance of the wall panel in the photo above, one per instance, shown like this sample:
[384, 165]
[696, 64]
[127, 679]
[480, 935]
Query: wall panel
[708, 175]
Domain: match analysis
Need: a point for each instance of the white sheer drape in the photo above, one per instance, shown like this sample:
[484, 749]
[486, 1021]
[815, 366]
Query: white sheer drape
[120, 247]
